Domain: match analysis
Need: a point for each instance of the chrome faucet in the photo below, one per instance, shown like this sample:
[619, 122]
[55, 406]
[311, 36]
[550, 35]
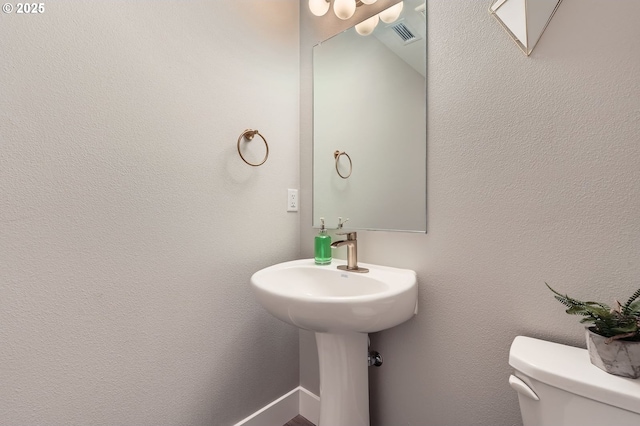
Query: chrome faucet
[352, 252]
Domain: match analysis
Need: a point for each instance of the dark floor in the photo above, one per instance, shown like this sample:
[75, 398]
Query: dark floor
[299, 421]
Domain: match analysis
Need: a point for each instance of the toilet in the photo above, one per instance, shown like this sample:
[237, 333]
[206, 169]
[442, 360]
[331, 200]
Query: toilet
[558, 386]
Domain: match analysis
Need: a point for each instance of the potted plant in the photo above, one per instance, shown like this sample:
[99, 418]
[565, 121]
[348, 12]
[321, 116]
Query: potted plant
[613, 339]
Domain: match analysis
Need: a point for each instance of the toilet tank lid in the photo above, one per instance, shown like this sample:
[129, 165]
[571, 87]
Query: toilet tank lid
[570, 369]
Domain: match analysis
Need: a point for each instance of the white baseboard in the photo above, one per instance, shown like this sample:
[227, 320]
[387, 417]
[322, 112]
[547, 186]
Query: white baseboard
[309, 405]
[283, 409]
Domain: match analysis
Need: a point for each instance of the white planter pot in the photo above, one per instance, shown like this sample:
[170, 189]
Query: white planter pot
[617, 357]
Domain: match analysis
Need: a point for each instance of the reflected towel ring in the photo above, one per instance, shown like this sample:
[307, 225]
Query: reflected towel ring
[248, 135]
[337, 155]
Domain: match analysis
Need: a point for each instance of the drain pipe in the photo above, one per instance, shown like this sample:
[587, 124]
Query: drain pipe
[374, 359]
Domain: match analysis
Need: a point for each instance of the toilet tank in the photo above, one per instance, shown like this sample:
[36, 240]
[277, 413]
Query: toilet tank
[558, 386]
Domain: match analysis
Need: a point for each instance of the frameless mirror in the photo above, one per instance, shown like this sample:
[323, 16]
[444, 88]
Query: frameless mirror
[369, 124]
[524, 20]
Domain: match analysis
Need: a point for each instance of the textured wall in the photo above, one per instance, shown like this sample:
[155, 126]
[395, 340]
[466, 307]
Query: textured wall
[533, 176]
[129, 227]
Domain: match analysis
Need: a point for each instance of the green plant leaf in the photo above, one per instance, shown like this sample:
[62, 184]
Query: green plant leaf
[602, 305]
[629, 328]
[577, 310]
[598, 311]
[623, 322]
[634, 308]
[634, 297]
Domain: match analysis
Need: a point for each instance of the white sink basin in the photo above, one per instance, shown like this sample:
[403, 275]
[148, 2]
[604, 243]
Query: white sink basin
[341, 307]
[325, 299]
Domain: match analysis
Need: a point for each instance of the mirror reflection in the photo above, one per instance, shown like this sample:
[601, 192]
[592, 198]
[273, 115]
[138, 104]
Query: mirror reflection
[369, 156]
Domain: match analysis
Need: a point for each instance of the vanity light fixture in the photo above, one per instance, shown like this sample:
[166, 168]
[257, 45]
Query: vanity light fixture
[344, 9]
[388, 16]
[319, 7]
[367, 26]
[391, 14]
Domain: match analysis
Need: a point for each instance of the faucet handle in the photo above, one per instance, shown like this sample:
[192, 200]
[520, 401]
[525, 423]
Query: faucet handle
[341, 223]
[351, 235]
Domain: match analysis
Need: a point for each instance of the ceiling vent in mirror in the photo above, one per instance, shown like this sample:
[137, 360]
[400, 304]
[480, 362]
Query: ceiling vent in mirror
[403, 31]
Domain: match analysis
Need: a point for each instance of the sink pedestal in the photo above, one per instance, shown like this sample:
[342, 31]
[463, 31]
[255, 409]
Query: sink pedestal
[341, 307]
[344, 379]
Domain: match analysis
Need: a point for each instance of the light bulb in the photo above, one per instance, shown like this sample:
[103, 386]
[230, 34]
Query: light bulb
[368, 1]
[367, 26]
[391, 14]
[344, 9]
[319, 7]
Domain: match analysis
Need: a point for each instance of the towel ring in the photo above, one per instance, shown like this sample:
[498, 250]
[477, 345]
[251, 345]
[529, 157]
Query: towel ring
[248, 135]
[337, 155]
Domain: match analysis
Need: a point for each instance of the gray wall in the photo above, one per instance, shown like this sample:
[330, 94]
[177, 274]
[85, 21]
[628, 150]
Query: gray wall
[129, 226]
[533, 176]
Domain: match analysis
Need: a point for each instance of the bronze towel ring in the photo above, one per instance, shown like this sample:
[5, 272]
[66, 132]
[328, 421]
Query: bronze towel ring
[248, 135]
[337, 154]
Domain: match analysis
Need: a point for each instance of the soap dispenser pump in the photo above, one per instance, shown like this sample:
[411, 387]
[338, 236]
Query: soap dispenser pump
[322, 246]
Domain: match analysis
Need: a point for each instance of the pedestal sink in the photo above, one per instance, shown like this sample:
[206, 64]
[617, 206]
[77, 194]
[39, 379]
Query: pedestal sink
[341, 308]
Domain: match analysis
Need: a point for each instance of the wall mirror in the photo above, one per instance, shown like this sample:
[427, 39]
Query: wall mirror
[369, 123]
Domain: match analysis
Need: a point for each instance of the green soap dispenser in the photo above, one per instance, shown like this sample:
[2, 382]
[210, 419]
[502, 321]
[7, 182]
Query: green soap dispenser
[323, 246]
